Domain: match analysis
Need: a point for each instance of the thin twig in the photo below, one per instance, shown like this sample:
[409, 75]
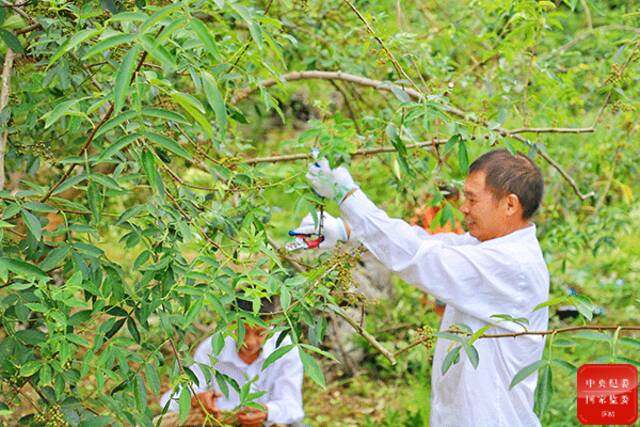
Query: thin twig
[390, 55]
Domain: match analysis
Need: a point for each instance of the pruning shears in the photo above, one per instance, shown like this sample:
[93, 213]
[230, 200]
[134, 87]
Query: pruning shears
[308, 240]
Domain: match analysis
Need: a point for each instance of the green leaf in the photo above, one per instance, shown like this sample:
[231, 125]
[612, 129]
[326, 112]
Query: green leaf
[158, 16]
[473, 355]
[109, 43]
[158, 52]
[174, 25]
[31, 336]
[192, 109]
[312, 368]
[62, 109]
[153, 379]
[30, 368]
[449, 336]
[105, 181]
[562, 342]
[215, 101]
[543, 391]
[565, 365]
[552, 301]
[133, 329]
[129, 17]
[477, 334]
[202, 32]
[71, 43]
[70, 183]
[54, 257]
[184, 405]
[285, 298]
[22, 268]
[526, 372]
[593, 336]
[124, 76]
[168, 144]
[320, 352]
[117, 146]
[452, 357]
[630, 342]
[194, 310]
[400, 93]
[164, 114]
[149, 166]
[116, 121]
[78, 340]
[583, 304]
[33, 224]
[11, 40]
[39, 207]
[277, 354]
[254, 28]
[455, 139]
[463, 158]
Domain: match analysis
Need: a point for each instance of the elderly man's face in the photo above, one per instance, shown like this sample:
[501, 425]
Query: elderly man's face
[484, 214]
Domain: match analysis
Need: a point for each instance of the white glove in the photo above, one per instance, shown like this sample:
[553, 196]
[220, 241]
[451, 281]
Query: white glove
[333, 230]
[332, 184]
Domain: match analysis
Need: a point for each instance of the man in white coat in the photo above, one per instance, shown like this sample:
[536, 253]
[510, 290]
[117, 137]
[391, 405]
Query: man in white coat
[495, 268]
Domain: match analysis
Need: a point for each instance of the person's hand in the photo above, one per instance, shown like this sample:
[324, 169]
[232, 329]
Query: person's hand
[332, 184]
[333, 229]
[252, 417]
[208, 401]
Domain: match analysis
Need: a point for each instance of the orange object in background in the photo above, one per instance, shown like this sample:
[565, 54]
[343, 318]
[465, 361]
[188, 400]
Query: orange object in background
[424, 218]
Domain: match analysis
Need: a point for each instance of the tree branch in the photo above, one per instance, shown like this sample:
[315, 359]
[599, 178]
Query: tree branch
[387, 87]
[366, 335]
[518, 334]
[358, 153]
[4, 100]
[551, 130]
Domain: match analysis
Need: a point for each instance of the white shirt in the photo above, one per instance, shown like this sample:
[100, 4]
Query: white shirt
[476, 279]
[282, 380]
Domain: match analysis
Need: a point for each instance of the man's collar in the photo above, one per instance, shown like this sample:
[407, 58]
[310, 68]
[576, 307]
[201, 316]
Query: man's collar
[522, 233]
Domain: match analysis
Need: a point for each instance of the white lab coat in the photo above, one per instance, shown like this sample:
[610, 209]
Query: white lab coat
[282, 380]
[476, 279]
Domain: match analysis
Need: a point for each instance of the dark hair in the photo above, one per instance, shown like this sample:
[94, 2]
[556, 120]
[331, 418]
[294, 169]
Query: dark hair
[512, 174]
[268, 306]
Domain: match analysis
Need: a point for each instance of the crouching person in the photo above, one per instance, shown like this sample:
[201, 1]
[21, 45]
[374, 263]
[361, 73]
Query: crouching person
[281, 381]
